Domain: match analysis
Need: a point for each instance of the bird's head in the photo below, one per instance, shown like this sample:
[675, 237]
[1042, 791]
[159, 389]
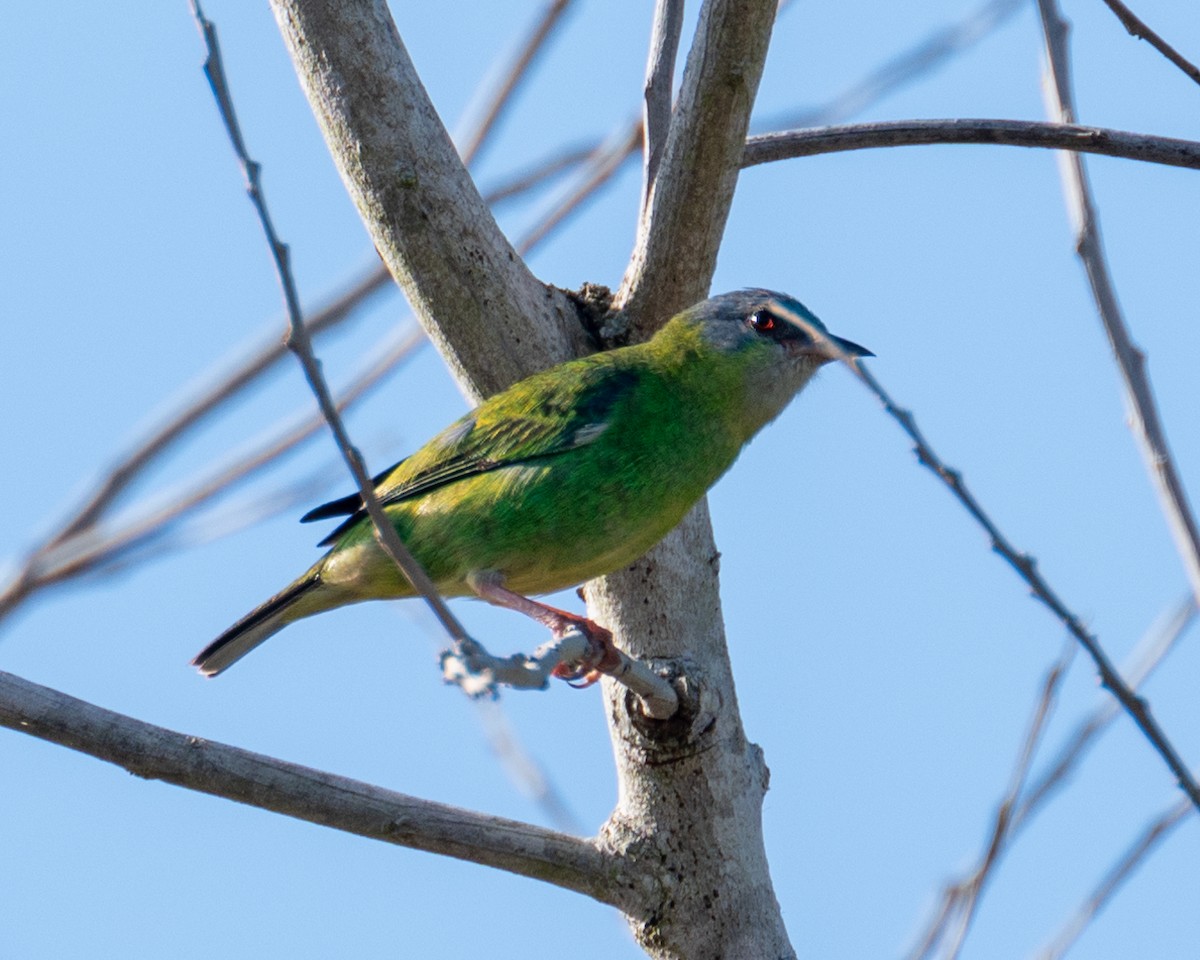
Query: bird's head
[772, 342]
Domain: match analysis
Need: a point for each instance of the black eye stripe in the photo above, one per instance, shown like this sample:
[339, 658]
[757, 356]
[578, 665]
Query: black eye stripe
[770, 325]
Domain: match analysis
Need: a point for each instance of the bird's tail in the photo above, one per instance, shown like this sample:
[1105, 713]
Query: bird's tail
[262, 622]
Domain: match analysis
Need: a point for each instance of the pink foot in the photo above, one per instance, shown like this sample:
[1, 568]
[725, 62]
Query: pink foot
[602, 655]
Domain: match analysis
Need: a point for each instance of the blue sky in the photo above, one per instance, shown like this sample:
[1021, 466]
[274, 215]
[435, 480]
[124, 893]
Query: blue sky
[886, 660]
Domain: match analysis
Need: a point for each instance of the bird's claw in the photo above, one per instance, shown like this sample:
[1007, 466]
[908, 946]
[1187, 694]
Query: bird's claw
[601, 655]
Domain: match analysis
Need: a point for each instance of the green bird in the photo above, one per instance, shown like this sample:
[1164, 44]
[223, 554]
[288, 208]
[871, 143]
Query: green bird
[570, 474]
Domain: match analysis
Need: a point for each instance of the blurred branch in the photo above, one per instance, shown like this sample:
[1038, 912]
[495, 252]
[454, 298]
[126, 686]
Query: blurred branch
[1026, 567]
[467, 664]
[1146, 423]
[492, 320]
[156, 753]
[299, 343]
[518, 71]
[1138, 28]
[131, 466]
[538, 173]
[1137, 853]
[789, 144]
[602, 163]
[88, 550]
[1015, 811]
[86, 554]
[1148, 654]
[937, 49]
[960, 899]
[1013, 817]
[522, 768]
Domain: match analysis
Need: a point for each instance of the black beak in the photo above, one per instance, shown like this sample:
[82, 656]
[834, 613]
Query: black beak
[850, 348]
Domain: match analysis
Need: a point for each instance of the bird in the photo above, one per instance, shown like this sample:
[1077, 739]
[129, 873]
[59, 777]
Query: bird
[569, 474]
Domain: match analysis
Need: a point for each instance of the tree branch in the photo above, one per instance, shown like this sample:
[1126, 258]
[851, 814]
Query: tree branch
[1139, 29]
[489, 316]
[1145, 844]
[922, 58]
[789, 144]
[1148, 653]
[306, 794]
[1138, 708]
[1131, 361]
[961, 899]
[660, 88]
[680, 230]
[501, 96]
[299, 342]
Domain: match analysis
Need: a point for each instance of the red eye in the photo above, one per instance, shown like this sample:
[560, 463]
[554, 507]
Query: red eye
[763, 321]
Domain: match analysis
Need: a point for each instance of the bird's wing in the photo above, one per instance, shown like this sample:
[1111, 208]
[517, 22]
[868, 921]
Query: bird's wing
[545, 415]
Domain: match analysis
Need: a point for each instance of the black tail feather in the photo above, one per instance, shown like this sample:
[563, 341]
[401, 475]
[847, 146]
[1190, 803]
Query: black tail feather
[252, 629]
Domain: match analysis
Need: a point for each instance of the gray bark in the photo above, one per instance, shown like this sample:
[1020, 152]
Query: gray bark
[691, 788]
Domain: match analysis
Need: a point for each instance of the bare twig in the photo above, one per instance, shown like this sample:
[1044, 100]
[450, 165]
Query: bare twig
[493, 321]
[518, 71]
[960, 899]
[300, 344]
[87, 550]
[322, 798]
[660, 87]
[523, 769]
[1147, 655]
[952, 901]
[680, 231]
[85, 554]
[1146, 423]
[131, 466]
[789, 144]
[1138, 28]
[538, 173]
[1137, 853]
[603, 163]
[935, 50]
[467, 664]
[1026, 567]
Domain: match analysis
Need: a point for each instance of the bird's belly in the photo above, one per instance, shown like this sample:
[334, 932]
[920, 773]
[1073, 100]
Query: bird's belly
[543, 527]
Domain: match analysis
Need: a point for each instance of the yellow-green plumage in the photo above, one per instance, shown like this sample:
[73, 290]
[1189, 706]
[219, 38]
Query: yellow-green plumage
[571, 473]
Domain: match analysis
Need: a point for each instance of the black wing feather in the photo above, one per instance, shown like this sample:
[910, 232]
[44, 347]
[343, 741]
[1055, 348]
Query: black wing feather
[347, 505]
[516, 439]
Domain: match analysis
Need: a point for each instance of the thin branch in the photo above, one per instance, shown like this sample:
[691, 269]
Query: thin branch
[659, 90]
[1138, 28]
[1002, 822]
[522, 768]
[86, 554]
[44, 564]
[952, 902]
[537, 173]
[1026, 567]
[680, 230]
[467, 664]
[491, 319]
[602, 165]
[789, 144]
[1137, 853]
[1146, 422]
[299, 343]
[934, 51]
[1147, 655]
[517, 72]
[295, 791]
[134, 464]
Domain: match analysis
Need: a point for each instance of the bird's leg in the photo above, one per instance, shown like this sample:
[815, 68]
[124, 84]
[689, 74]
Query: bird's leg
[602, 654]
